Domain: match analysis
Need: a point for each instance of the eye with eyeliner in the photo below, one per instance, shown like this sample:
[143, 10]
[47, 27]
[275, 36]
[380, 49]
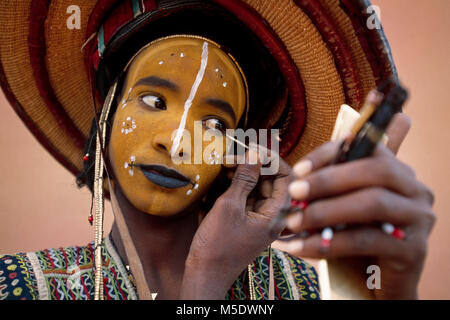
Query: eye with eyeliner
[214, 123]
[153, 100]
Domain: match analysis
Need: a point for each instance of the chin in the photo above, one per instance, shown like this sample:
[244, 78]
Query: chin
[166, 205]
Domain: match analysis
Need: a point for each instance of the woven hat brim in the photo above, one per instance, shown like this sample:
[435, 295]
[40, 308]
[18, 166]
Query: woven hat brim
[338, 60]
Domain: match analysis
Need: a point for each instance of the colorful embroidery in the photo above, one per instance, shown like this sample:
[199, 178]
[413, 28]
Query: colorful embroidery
[67, 274]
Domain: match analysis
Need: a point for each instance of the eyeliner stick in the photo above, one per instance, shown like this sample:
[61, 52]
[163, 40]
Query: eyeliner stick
[237, 141]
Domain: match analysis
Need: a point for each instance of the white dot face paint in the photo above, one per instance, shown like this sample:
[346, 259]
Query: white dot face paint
[130, 165]
[214, 158]
[217, 70]
[161, 62]
[225, 84]
[182, 55]
[128, 126]
[188, 103]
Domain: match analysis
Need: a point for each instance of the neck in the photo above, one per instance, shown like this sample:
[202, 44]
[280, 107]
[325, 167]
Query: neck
[162, 243]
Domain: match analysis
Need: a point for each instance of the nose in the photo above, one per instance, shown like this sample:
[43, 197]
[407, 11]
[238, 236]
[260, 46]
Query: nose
[162, 142]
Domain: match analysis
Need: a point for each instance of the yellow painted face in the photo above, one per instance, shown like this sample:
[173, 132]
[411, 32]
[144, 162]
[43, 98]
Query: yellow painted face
[171, 85]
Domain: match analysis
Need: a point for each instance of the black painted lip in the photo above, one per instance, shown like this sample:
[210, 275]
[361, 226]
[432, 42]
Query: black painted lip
[163, 176]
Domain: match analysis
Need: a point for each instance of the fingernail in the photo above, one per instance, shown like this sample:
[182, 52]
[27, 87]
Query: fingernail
[294, 221]
[302, 168]
[253, 154]
[295, 246]
[299, 189]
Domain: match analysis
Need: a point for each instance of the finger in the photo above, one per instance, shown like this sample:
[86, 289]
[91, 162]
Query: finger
[361, 207]
[317, 158]
[231, 161]
[384, 172]
[246, 177]
[279, 197]
[365, 241]
[397, 131]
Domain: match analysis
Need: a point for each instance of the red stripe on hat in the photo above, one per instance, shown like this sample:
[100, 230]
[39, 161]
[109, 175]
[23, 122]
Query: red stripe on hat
[338, 47]
[252, 19]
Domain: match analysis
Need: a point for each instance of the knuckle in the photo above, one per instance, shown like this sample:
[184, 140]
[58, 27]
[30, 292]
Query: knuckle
[378, 202]
[408, 170]
[386, 169]
[427, 193]
[430, 218]
[417, 252]
[246, 178]
[363, 241]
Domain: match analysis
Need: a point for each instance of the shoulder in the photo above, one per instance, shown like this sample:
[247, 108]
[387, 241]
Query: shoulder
[44, 274]
[294, 278]
[17, 280]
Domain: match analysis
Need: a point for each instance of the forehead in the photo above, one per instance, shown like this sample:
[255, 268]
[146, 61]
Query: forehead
[179, 60]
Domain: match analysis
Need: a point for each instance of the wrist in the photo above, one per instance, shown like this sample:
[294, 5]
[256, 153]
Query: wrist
[204, 281]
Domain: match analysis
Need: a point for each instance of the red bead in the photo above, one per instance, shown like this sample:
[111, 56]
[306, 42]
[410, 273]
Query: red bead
[302, 205]
[398, 234]
[86, 158]
[90, 219]
[105, 280]
[324, 243]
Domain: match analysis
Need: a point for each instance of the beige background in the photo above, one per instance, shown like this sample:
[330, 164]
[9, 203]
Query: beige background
[40, 206]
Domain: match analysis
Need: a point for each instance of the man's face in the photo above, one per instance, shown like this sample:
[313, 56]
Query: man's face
[169, 85]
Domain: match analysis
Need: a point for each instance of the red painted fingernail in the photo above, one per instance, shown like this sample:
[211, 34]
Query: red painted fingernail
[398, 234]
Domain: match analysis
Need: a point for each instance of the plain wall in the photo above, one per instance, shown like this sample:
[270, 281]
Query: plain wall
[41, 207]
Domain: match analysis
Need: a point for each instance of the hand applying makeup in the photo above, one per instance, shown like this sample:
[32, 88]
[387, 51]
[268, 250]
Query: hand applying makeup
[361, 195]
[235, 230]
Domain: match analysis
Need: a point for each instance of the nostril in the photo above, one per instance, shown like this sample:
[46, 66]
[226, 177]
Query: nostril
[181, 154]
[162, 147]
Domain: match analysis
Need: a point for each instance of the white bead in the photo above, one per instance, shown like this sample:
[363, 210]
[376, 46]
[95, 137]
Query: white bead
[189, 192]
[197, 178]
[131, 172]
[225, 84]
[133, 158]
[125, 165]
[388, 228]
[196, 186]
[327, 234]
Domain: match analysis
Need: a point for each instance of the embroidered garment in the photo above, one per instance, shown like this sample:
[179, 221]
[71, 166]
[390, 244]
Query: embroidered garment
[67, 274]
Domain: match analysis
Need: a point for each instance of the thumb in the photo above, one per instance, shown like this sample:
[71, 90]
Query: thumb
[397, 131]
[246, 176]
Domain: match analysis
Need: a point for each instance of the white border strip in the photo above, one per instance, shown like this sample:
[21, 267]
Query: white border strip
[288, 271]
[41, 283]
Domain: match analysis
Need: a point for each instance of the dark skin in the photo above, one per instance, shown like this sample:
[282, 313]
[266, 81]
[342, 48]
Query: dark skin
[216, 256]
[171, 264]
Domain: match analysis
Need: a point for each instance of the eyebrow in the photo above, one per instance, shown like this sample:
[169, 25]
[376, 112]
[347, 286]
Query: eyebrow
[222, 105]
[158, 82]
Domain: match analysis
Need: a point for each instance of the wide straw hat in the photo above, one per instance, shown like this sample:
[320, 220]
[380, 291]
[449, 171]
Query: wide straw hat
[330, 52]
[327, 51]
